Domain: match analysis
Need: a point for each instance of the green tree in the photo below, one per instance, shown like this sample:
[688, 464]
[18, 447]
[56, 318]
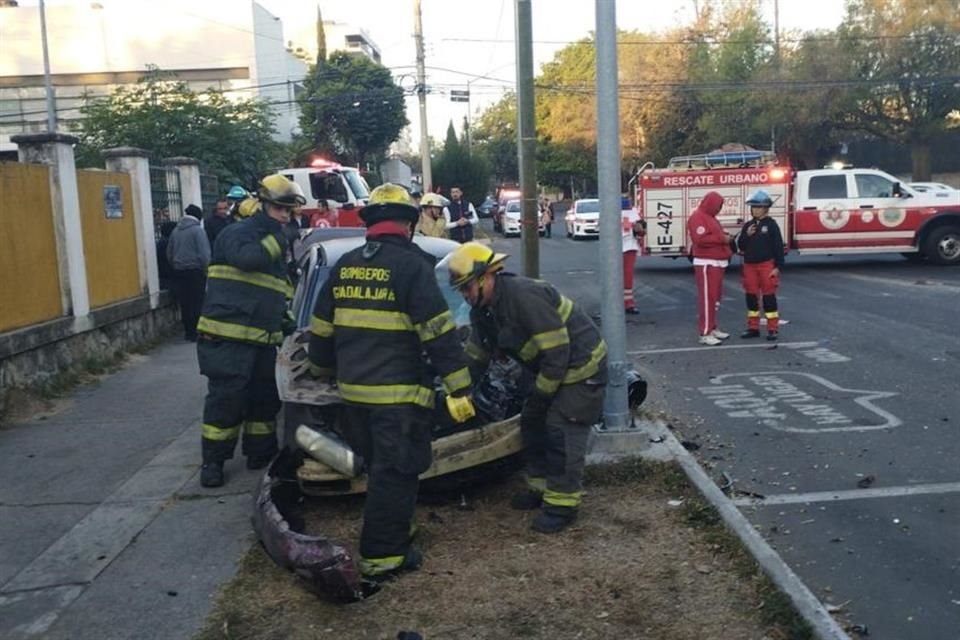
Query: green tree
[906, 53]
[231, 139]
[351, 108]
[495, 139]
[456, 168]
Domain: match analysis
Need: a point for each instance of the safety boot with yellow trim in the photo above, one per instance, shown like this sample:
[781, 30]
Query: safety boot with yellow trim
[381, 569]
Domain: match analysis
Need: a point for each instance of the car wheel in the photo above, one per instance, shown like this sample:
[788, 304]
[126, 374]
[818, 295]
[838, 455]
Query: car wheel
[943, 245]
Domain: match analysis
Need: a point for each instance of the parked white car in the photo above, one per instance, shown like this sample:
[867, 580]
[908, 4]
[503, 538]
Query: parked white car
[583, 219]
[511, 220]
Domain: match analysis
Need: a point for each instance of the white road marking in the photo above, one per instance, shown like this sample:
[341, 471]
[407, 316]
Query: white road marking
[761, 345]
[865, 400]
[851, 494]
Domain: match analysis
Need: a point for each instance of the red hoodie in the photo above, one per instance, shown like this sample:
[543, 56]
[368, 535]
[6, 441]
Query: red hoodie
[707, 236]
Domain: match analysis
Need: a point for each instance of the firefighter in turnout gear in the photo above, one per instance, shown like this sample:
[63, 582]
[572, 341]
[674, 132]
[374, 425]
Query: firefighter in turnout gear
[762, 246]
[243, 320]
[376, 314]
[531, 322]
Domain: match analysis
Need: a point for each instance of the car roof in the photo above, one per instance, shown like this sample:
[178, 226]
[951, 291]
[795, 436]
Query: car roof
[334, 249]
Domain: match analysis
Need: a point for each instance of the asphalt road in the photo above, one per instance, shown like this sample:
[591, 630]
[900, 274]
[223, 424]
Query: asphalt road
[840, 445]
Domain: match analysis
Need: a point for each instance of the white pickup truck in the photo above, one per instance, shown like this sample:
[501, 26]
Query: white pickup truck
[825, 211]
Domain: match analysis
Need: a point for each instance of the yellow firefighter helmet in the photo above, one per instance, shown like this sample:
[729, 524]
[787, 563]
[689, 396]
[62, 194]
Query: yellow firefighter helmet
[471, 260]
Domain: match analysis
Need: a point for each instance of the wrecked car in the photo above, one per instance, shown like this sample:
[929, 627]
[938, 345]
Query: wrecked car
[316, 461]
[311, 408]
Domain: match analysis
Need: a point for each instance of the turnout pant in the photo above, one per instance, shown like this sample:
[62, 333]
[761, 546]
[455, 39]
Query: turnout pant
[241, 396]
[554, 450]
[759, 282]
[189, 285]
[629, 263]
[395, 442]
[709, 292]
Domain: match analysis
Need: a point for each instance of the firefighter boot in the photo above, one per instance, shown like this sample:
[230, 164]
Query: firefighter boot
[750, 333]
[772, 336]
[526, 500]
[211, 474]
[554, 519]
[412, 561]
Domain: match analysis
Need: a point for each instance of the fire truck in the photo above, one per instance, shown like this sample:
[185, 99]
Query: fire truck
[344, 189]
[824, 211]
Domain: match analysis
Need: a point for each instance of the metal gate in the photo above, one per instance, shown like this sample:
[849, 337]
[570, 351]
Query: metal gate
[165, 191]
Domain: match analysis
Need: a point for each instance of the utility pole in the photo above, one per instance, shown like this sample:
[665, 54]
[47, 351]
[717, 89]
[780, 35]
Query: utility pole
[616, 415]
[422, 96]
[776, 64]
[51, 110]
[526, 141]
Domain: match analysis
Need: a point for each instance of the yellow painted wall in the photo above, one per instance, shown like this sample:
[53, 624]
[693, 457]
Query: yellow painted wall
[109, 244]
[29, 276]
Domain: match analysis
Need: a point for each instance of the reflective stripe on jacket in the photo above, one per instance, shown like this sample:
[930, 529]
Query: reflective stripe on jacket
[378, 311]
[247, 284]
[532, 322]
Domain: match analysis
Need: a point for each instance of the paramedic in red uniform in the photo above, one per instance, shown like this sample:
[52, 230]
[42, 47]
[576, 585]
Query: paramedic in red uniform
[711, 253]
[762, 247]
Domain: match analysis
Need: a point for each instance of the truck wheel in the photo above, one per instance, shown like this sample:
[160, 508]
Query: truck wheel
[943, 245]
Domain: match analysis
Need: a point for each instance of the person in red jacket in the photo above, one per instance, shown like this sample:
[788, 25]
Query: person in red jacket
[711, 253]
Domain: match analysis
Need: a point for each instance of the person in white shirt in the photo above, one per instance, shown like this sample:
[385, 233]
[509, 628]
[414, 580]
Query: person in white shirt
[460, 216]
[630, 227]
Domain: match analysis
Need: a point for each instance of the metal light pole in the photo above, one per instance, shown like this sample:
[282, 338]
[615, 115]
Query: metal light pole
[616, 415]
[422, 97]
[526, 141]
[51, 110]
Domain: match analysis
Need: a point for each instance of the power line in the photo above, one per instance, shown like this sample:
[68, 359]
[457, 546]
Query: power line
[712, 41]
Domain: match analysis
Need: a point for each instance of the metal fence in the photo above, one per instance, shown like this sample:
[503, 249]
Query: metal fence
[165, 191]
[209, 192]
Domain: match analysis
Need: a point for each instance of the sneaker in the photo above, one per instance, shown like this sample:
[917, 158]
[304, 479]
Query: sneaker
[526, 501]
[211, 475]
[632, 311]
[772, 336]
[710, 340]
[721, 335]
[554, 519]
[750, 333]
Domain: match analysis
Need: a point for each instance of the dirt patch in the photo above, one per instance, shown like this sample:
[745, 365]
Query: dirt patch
[634, 566]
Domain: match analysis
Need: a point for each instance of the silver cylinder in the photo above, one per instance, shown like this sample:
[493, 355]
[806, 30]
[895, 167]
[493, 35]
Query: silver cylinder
[330, 450]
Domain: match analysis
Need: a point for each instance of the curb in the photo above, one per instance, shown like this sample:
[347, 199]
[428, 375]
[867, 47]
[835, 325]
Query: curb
[807, 605]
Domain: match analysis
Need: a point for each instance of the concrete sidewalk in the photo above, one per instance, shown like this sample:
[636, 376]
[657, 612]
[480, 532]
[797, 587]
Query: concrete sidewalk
[104, 530]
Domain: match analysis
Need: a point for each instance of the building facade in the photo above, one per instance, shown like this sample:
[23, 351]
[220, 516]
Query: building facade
[235, 46]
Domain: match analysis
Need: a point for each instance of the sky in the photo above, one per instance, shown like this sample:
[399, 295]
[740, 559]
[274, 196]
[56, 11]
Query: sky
[470, 43]
[468, 39]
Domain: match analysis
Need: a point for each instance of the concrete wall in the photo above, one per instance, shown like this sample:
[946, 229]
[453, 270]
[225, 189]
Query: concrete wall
[37, 355]
[29, 272]
[46, 203]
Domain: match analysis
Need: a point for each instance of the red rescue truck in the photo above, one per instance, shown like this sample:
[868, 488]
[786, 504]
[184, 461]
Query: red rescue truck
[344, 189]
[823, 211]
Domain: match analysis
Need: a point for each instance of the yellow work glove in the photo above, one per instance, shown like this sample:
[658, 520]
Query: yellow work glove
[461, 409]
